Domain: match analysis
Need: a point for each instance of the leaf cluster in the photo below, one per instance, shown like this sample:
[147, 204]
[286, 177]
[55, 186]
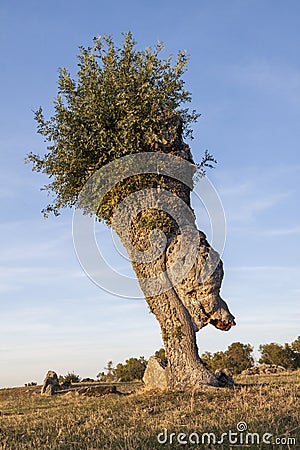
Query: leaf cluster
[123, 101]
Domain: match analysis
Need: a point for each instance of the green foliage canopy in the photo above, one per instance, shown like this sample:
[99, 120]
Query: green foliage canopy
[123, 101]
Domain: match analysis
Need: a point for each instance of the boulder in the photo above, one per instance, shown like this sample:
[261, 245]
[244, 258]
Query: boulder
[155, 374]
[225, 377]
[50, 390]
[51, 383]
[66, 385]
[96, 391]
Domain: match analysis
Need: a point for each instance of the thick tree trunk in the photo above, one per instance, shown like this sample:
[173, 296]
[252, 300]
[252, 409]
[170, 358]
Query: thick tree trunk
[185, 369]
[187, 304]
[180, 316]
[183, 309]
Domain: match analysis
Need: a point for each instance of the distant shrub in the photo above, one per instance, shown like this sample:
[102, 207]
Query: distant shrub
[71, 377]
[32, 383]
[101, 376]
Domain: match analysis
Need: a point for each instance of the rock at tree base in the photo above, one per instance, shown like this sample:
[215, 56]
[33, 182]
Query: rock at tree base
[155, 374]
[51, 383]
[224, 377]
[96, 391]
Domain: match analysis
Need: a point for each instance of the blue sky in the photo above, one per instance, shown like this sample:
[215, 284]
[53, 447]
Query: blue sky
[244, 75]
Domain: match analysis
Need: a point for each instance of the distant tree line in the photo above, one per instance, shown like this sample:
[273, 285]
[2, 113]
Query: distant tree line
[287, 355]
[236, 358]
[239, 357]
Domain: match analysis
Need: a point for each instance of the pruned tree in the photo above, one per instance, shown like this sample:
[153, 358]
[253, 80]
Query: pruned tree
[127, 102]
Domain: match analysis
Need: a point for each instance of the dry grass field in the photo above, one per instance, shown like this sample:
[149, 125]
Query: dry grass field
[133, 419]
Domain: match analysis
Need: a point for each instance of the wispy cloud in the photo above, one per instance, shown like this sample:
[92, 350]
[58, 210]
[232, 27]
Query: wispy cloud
[289, 231]
[251, 206]
[17, 278]
[251, 191]
[245, 203]
[288, 269]
[278, 80]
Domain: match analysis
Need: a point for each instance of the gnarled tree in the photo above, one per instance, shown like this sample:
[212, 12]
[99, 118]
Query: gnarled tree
[127, 102]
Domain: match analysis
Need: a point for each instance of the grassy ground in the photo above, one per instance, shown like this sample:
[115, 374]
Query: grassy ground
[266, 404]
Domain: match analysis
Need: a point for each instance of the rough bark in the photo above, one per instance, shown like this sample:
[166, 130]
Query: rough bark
[182, 307]
[180, 314]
